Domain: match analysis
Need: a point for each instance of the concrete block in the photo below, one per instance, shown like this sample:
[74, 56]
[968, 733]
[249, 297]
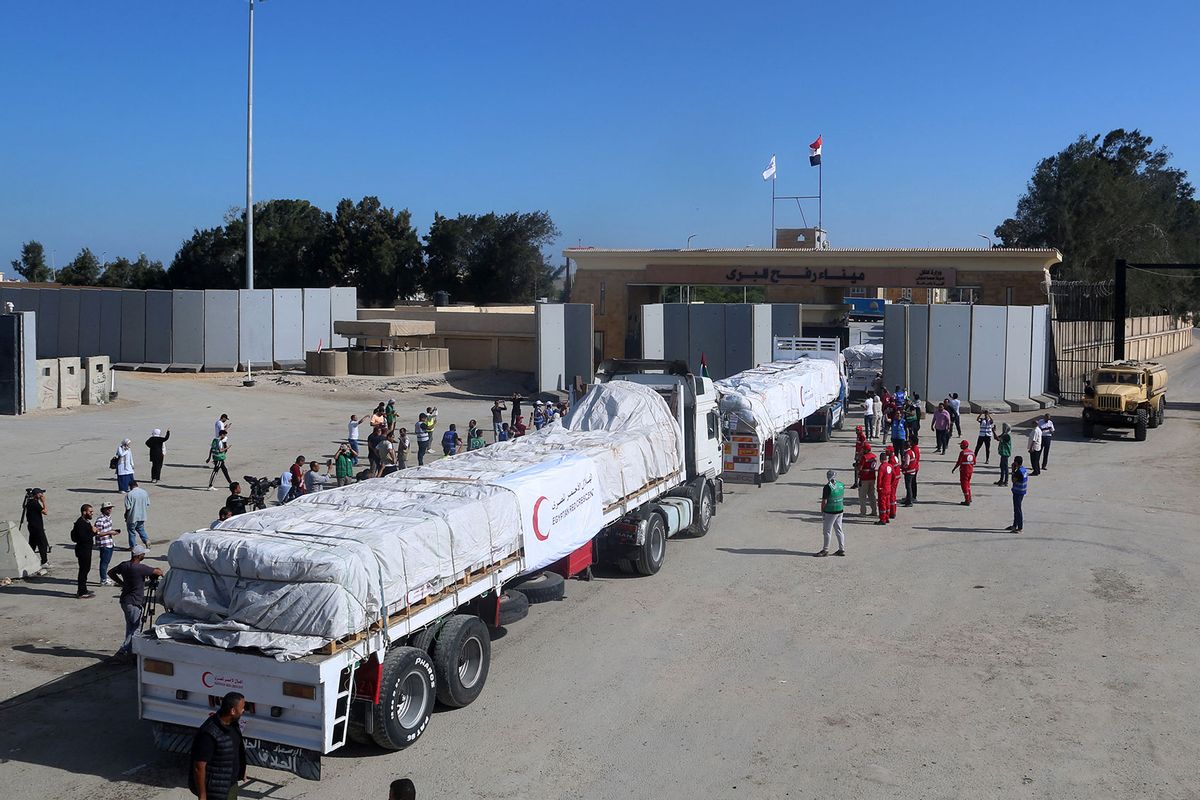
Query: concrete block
[652, 330]
[70, 382]
[178, 366]
[343, 304]
[316, 319]
[422, 362]
[95, 380]
[47, 331]
[110, 323]
[47, 380]
[311, 362]
[68, 322]
[406, 362]
[255, 327]
[578, 347]
[220, 330]
[989, 325]
[444, 360]
[287, 327]
[27, 358]
[370, 362]
[355, 362]
[387, 363]
[160, 312]
[992, 406]
[89, 322]
[133, 326]
[187, 326]
[1021, 404]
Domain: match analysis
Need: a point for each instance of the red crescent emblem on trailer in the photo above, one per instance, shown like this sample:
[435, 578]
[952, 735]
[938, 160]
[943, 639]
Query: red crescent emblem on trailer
[207, 679]
[537, 531]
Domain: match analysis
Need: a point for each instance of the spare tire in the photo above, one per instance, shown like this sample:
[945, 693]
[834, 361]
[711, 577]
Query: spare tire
[514, 607]
[542, 587]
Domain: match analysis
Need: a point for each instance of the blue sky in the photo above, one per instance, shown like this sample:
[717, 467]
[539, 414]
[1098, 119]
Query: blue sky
[633, 124]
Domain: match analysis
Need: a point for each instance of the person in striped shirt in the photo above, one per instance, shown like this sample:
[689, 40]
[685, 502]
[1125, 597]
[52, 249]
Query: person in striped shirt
[987, 429]
[104, 540]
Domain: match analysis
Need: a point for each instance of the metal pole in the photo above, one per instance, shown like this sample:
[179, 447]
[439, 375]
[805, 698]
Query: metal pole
[772, 242]
[250, 156]
[1119, 310]
[820, 200]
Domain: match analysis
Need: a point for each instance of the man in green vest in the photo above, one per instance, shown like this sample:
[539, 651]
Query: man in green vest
[832, 506]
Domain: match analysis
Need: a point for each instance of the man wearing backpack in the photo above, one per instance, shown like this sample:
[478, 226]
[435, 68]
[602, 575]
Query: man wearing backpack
[217, 450]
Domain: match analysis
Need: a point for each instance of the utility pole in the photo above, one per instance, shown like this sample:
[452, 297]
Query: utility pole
[250, 156]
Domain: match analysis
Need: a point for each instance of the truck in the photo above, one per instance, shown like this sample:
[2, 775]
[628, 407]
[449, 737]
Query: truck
[1125, 394]
[634, 463]
[769, 410]
[865, 309]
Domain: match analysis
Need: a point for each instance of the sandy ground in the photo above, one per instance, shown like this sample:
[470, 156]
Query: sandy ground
[943, 658]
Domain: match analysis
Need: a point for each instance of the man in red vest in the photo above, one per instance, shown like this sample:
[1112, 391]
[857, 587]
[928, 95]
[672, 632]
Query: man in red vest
[966, 467]
[859, 442]
[910, 465]
[868, 465]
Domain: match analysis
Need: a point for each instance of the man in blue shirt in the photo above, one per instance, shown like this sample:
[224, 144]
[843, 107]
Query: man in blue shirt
[1020, 485]
[899, 434]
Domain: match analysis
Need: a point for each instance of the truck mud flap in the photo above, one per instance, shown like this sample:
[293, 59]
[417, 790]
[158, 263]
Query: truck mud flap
[299, 761]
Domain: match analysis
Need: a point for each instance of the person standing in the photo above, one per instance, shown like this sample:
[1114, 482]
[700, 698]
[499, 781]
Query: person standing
[344, 466]
[475, 439]
[900, 396]
[832, 507]
[131, 576]
[897, 479]
[515, 408]
[378, 434]
[986, 428]
[965, 465]
[236, 502]
[1020, 485]
[389, 415]
[104, 540]
[83, 534]
[539, 415]
[137, 511]
[222, 423]
[884, 482]
[158, 452]
[426, 422]
[1004, 450]
[385, 454]
[218, 449]
[124, 466]
[1035, 449]
[218, 752]
[35, 513]
[869, 415]
[402, 449]
[860, 441]
[941, 428]
[899, 433]
[352, 435]
[910, 465]
[1046, 426]
[868, 466]
[955, 412]
[504, 434]
[498, 409]
[451, 441]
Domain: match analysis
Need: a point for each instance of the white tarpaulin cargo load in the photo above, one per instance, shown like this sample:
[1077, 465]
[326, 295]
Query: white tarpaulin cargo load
[288, 579]
[863, 363]
[769, 398]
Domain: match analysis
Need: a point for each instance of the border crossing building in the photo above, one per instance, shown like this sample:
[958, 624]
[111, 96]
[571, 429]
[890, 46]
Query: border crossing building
[799, 269]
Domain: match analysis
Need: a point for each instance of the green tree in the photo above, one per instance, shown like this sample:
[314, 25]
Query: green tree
[1110, 197]
[84, 270]
[143, 273]
[210, 259]
[291, 244]
[376, 249]
[447, 256]
[32, 263]
[494, 258]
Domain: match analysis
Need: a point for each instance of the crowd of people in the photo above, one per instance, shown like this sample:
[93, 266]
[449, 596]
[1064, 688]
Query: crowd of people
[896, 419]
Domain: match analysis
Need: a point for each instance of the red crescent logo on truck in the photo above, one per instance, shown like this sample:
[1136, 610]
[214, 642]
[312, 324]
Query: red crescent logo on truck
[536, 531]
[207, 679]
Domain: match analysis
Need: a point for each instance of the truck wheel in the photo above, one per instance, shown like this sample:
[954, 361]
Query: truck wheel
[1152, 420]
[794, 440]
[542, 588]
[461, 656]
[654, 551]
[514, 607]
[771, 467]
[1140, 424]
[1162, 409]
[704, 513]
[784, 447]
[406, 698]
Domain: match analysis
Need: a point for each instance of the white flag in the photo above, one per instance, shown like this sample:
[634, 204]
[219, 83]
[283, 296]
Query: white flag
[769, 172]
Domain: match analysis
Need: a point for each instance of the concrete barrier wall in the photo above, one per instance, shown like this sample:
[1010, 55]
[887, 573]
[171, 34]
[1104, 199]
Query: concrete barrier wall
[577, 342]
[1039, 351]
[706, 330]
[1017, 344]
[762, 344]
[29, 368]
[949, 352]
[95, 380]
[47, 383]
[255, 327]
[133, 326]
[989, 326]
[919, 356]
[110, 323]
[288, 324]
[316, 319]
[895, 346]
[47, 332]
[68, 322]
[187, 326]
[160, 316]
[343, 304]
[652, 331]
[89, 323]
[739, 339]
[220, 329]
[551, 353]
[786, 319]
[676, 332]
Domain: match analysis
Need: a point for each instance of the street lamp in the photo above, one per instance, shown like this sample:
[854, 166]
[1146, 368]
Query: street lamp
[250, 155]
[689, 242]
[989, 239]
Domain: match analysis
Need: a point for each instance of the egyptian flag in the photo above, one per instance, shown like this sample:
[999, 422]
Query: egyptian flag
[814, 153]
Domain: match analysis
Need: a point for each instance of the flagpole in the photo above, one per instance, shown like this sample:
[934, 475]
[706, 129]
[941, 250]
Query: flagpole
[771, 242]
[820, 202]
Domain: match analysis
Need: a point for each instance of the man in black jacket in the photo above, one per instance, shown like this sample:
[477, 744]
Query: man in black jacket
[83, 534]
[218, 752]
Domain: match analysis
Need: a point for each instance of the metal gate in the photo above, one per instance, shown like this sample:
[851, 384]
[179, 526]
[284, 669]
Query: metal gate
[1081, 329]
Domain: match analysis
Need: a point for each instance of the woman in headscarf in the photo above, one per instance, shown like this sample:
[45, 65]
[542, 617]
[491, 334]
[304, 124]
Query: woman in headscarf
[158, 452]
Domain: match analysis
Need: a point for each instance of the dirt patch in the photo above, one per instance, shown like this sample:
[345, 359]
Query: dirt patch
[1115, 586]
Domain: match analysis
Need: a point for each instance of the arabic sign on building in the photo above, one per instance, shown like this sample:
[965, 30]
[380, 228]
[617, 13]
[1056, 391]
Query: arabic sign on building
[899, 277]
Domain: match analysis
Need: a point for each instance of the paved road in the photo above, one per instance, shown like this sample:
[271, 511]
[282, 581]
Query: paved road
[943, 658]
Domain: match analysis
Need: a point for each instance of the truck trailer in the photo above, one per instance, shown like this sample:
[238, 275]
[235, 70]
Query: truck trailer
[769, 410]
[348, 613]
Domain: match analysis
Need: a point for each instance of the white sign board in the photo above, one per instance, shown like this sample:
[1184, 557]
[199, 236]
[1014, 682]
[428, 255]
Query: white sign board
[560, 507]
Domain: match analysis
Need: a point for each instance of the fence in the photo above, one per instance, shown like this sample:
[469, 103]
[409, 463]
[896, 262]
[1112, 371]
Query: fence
[1083, 345]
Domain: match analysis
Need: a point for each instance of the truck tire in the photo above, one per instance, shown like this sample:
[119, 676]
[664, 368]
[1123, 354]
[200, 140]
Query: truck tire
[771, 467]
[1141, 422]
[706, 508]
[1152, 420]
[794, 440]
[784, 447]
[542, 588]
[407, 695]
[514, 607]
[1162, 409]
[423, 639]
[462, 654]
[654, 551]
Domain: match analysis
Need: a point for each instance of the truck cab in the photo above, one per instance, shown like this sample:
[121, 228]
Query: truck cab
[1125, 394]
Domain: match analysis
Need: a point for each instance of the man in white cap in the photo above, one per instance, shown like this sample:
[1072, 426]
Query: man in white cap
[832, 506]
[131, 576]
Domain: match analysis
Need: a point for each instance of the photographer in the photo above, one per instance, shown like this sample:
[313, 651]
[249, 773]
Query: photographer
[131, 576]
[236, 502]
[35, 510]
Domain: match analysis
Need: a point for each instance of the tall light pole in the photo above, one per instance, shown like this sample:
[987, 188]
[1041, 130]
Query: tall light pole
[250, 156]
[987, 238]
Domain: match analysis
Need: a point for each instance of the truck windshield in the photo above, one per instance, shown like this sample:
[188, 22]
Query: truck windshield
[1127, 378]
